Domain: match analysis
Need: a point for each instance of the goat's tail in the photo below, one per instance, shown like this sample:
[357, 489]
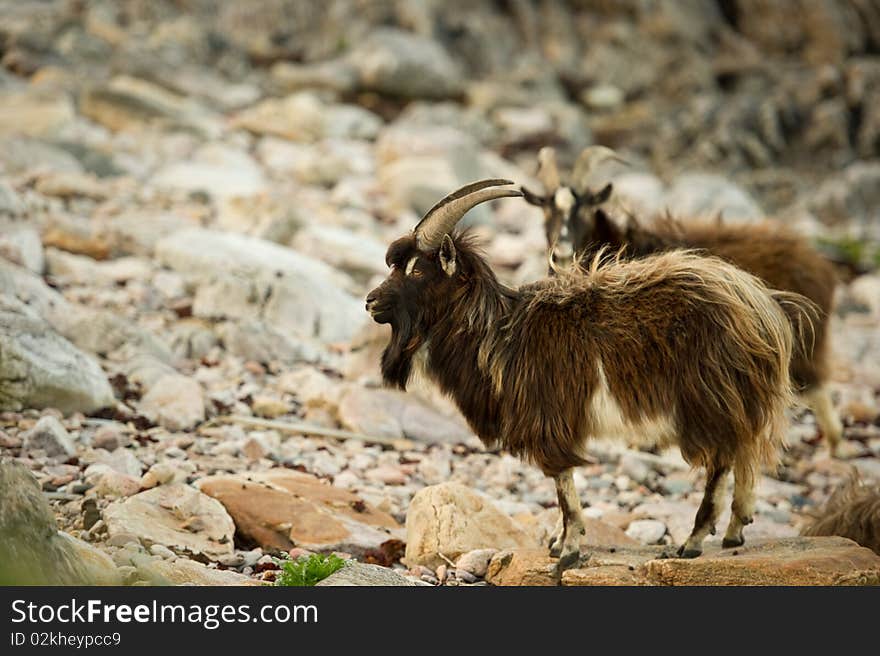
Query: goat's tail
[803, 316]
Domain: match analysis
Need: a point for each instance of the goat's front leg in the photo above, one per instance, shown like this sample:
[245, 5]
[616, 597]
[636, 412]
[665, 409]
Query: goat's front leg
[573, 530]
[557, 537]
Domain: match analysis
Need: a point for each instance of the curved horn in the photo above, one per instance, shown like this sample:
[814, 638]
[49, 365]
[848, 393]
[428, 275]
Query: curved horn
[441, 218]
[548, 173]
[588, 161]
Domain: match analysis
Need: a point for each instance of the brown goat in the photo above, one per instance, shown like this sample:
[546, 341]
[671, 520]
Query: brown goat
[853, 512]
[769, 251]
[685, 349]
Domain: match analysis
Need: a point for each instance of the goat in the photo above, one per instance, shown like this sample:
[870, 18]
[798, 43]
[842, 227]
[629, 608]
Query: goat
[780, 258]
[853, 512]
[689, 350]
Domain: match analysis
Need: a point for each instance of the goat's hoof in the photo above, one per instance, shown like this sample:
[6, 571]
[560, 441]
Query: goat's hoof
[729, 543]
[567, 561]
[688, 553]
[555, 550]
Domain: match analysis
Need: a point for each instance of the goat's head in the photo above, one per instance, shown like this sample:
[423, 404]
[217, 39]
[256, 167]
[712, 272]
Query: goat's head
[569, 221]
[426, 274]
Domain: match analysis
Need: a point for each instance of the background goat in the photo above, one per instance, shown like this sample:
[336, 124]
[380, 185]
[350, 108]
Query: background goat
[782, 259]
[853, 512]
[684, 349]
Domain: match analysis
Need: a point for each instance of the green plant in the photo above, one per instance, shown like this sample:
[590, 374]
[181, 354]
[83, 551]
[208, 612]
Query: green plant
[306, 571]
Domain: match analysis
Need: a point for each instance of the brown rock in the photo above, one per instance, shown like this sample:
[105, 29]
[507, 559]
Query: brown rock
[532, 567]
[791, 561]
[280, 509]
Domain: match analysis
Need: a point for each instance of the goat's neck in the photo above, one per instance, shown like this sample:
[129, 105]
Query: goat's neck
[468, 324]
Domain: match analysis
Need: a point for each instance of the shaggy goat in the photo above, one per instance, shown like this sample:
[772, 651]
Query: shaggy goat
[684, 349]
[853, 512]
[769, 251]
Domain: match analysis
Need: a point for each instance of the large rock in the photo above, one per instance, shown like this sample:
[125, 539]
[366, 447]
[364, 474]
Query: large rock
[126, 103]
[41, 369]
[280, 509]
[304, 117]
[359, 574]
[32, 550]
[451, 519]
[389, 61]
[788, 561]
[216, 169]
[388, 413]
[288, 290]
[182, 571]
[176, 516]
[35, 114]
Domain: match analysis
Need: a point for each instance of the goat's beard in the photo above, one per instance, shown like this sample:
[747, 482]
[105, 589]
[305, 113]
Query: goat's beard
[398, 355]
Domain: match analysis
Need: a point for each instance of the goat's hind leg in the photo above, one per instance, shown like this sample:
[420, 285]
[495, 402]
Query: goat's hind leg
[572, 521]
[743, 506]
[707, 513]
[557, 537]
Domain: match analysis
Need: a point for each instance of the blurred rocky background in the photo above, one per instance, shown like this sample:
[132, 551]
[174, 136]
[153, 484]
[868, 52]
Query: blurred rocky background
[196, 196]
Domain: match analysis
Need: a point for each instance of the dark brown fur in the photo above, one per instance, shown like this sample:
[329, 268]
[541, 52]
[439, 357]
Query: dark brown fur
[774, 254]
[689, 347]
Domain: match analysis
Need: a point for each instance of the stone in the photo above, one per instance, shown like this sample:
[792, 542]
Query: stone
[304, 117]
[218, 170]
[176, 516]
[530, 567]
[129, 103]
[707, 195]
[181, 571]
[359, 255]
[475, 562]
[40, 114]
[107, 482]
[41, 369]
[281, 508]
[360, 574]
[791, 561]
[452, 519]
[300, 295]
[33, 551]
[50, 436]
[388, 413]
[20, 243]
[174, 402]
[646, 531]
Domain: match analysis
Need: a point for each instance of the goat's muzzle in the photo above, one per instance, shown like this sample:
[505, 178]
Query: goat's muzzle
[380, 312]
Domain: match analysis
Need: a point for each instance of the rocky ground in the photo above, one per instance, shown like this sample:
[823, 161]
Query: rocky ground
[195, 200]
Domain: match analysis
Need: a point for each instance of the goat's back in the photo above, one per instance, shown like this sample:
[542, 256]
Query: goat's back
[678, 337]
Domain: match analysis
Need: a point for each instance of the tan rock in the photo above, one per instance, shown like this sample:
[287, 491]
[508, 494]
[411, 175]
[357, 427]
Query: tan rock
[791, 561]
[280, 509]
[532, 567]
[175, 402]
[182, 571]
[452, 519]
[176, 516]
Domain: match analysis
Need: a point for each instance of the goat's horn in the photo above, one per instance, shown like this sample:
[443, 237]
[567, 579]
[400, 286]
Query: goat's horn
[548, 173]
[441, 218]
[587, 162]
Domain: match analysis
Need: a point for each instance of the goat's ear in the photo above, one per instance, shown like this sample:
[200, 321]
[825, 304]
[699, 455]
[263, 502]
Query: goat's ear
[447, 255]
[606, 231]
[532, 198]
[603, 194]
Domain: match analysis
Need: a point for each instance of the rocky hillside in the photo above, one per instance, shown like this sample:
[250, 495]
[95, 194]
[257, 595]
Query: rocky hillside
[195, 198]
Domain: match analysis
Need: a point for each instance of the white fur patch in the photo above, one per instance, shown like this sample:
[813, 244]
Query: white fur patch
[564, 199]
[411, 265]
[610, 421]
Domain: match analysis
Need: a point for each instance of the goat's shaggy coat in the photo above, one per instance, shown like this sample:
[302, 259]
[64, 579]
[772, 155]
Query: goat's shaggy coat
[853, 512]
[690, 349]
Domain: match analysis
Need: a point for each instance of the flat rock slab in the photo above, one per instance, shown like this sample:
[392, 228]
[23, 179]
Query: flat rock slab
[786, 561]
[187, 572]
[281, 509]
[361, 575]
[176, 516]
